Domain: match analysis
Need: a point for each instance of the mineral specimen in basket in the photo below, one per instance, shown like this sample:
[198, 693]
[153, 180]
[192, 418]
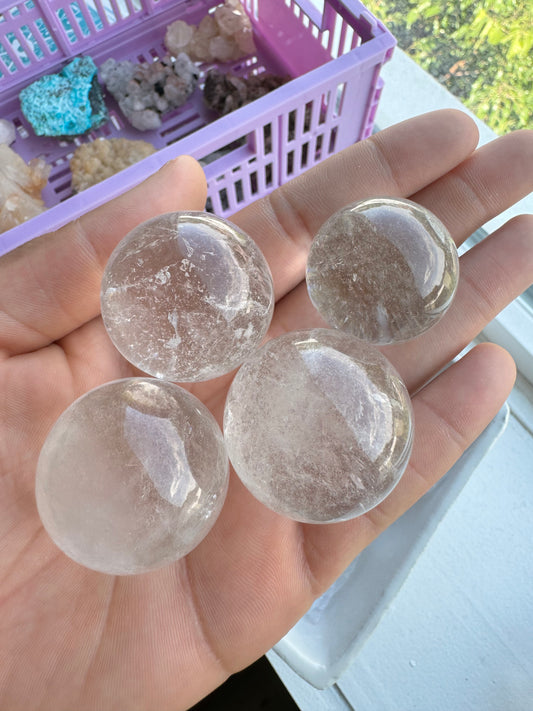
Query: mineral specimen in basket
[222, 36]
[95, 161]
[8, 132]
[318, 426]
[132, 476]
[384, 270]
[186, 296]
[69, 103]
[225, 92]
[146, 91]
[20, 187]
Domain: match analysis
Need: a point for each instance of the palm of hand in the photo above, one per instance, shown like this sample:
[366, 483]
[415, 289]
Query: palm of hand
[72, 638]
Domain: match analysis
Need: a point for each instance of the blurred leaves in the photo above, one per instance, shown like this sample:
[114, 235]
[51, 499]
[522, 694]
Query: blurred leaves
[481, 50]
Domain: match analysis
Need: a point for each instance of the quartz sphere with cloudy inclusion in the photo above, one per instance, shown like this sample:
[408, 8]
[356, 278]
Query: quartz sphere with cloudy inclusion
[132, 476]
[383, 269]
[318, 425]
[186, 296]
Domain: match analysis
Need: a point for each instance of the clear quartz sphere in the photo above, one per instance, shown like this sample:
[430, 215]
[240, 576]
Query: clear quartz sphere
[384, 270]
[132, 476]
[186, 296]
[318, 425]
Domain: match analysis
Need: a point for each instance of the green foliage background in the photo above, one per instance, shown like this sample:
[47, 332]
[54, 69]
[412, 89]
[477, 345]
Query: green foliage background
[481, 50]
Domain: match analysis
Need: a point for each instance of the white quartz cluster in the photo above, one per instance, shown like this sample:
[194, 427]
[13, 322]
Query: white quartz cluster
[222, 36]
[146, 91]
[21, 184]
[8, 132]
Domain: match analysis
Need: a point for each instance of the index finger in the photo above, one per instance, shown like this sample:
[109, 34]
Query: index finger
[51, 286]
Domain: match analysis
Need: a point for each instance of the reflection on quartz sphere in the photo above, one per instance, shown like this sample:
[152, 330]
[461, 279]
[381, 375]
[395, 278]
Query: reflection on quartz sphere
[318, 425]
[132, 476]
[384, 270]
[186, 296]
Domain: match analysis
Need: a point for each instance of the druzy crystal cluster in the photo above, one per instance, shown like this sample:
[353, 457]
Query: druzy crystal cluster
[317, 423]
[95, 161]
[146, 91]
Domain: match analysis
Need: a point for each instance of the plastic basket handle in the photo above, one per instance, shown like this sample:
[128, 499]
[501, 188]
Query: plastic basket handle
[326, 19]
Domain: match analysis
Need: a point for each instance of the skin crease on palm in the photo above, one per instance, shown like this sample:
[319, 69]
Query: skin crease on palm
[71, 638]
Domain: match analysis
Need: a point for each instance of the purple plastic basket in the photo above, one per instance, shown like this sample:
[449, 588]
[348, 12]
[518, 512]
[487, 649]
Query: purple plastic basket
[333, 57]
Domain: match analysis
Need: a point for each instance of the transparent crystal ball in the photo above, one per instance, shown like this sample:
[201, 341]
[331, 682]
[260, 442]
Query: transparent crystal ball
[186, 296]
[132, 476]
[318, 425]
[384, 270]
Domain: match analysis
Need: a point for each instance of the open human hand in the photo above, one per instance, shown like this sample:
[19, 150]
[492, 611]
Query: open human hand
[71, 638]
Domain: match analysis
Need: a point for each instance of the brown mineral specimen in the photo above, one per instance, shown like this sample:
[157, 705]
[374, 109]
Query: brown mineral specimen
[96, 161]
[20, 188]
[224, 93]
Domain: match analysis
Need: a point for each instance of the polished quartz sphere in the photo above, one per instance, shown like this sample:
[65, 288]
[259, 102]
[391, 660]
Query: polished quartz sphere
[132, 476]
[318, 425]
[186, 296]
[384, 270]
